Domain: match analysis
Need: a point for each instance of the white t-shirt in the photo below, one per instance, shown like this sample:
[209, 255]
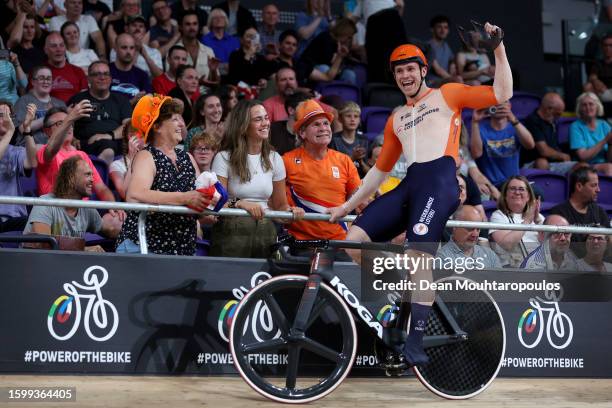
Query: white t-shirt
[259, 189]
[204, 52]
[118, 166]
[140, 61]
[83, 58]
[501, 218]
[87, 25]
[374, 6]
[523, 248]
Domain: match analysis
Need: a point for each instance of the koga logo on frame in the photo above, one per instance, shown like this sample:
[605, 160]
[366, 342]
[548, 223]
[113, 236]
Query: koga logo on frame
[66, 311]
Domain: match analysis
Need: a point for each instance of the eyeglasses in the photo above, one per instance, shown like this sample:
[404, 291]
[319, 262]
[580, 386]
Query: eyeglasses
[100, 74]
[159, 8]
[596, 239]
[58, 123]
[203, 149]
[517, 189]
[44, 79]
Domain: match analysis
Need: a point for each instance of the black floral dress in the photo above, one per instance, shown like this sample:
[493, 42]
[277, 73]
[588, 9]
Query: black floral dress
[170, 234]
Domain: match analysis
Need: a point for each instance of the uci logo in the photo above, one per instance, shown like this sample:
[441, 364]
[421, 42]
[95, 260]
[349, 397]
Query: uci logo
[533, 322]
[66, 311]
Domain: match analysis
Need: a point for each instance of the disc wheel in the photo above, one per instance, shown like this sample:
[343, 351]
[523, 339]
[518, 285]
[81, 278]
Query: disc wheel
[281, 364]
[464, 369]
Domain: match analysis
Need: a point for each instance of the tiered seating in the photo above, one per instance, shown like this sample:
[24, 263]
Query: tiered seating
[523, 103]
[374, 118]
[345, 90]
[379, 94]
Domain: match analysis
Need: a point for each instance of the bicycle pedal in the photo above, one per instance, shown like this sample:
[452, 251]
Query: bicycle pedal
[395, 365]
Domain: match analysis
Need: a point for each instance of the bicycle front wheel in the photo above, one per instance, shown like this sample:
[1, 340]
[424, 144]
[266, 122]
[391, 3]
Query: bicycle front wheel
[463, 369]
[281, 364]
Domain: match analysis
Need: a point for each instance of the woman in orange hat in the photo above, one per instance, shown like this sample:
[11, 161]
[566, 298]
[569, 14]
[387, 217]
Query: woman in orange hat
[161, 174]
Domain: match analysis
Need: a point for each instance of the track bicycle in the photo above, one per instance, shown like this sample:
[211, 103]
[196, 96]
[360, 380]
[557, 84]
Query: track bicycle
[314, 329]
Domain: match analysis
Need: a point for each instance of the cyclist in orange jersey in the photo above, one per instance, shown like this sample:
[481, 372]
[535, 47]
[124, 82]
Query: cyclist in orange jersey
[426, 129]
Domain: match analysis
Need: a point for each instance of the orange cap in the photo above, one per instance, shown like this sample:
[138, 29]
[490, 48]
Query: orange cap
[306, 111]
[407, 53]
[146, 112]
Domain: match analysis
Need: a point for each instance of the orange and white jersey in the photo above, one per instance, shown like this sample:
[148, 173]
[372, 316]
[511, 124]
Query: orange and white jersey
[430, 128]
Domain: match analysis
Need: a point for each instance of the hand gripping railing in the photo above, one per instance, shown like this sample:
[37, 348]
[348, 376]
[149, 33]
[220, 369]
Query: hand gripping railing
[143, 209]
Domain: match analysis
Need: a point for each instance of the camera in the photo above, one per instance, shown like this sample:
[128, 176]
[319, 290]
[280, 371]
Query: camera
[4, 54]
[492, 110]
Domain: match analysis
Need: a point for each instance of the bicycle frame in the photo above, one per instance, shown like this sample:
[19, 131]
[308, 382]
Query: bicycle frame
[321, 269]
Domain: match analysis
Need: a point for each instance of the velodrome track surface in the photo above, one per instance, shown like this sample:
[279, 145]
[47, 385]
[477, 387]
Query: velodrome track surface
[231, 392]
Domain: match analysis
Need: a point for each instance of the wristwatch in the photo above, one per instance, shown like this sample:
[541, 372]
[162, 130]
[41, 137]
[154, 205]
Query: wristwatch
[29, 133]
[232, 203]
[515, 123]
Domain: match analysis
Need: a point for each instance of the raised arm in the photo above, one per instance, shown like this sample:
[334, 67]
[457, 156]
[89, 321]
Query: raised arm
[502, 82]
[17, 32]
[57, 139]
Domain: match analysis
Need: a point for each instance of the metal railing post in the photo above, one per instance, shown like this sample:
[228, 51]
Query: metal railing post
[142, 232]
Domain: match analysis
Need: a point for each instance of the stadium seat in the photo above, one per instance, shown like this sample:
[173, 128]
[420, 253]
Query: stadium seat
[604, 198]
[524, 103]
[371, 136]
[345, 90]
[102, 168]
[374, 118]
[529, 172]
[554, 186]
[29, 185]
[563, 125]
[4, 244]
[489, 206]
[361, 71]
[380, 94]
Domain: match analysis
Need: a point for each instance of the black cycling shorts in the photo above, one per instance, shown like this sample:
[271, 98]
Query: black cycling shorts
[420, 205]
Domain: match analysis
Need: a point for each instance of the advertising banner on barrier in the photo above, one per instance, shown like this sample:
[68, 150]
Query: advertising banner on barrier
[83, 312]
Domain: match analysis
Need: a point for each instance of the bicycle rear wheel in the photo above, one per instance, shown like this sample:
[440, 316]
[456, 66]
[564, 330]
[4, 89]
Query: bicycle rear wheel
[464, 369]
[283, 365]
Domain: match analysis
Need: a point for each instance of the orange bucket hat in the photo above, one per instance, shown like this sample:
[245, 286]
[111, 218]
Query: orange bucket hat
[146, 112]
[308, 110]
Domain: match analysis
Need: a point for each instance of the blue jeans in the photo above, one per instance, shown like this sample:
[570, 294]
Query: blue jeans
[347, 74]
[128, 247]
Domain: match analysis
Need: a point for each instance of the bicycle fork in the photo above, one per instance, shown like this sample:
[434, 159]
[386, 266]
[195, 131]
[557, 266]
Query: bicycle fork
[322, 261]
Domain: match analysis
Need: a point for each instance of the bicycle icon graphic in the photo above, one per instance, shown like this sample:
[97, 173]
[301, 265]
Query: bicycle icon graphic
[559, 327]
[102, 311]
[260, 320]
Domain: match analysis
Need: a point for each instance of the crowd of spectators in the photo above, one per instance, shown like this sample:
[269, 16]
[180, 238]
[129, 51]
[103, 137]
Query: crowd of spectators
[241, 103]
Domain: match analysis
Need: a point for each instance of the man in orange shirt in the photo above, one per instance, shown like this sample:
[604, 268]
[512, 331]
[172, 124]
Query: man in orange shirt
[426, 129]
[318, 178]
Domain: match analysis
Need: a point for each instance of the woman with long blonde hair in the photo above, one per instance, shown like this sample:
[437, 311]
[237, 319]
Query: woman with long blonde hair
[254, 176]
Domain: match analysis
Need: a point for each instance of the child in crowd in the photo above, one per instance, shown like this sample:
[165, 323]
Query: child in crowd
[350, 140]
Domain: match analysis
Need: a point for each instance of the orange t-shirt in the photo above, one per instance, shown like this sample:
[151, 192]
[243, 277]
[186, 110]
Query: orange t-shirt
[318, 184]
[429, 128]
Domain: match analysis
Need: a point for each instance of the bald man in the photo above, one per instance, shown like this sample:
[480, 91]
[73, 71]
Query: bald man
[554, 252]
[541, 123]
[464, 244]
